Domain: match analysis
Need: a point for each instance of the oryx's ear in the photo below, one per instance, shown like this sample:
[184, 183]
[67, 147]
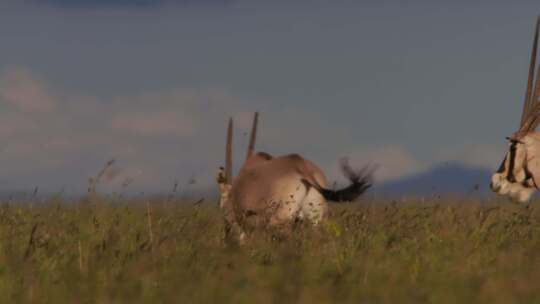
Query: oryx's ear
[253, 136]
[514, 139]
[228, 153]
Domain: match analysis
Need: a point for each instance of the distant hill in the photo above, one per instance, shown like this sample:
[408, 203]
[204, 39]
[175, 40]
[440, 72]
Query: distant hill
[447, 178]
[443, 179]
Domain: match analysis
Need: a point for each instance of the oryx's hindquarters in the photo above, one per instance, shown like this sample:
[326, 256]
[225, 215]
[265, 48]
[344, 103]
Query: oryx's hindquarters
[279, 190]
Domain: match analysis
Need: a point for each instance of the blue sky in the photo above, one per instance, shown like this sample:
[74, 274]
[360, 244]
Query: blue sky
[405, 85]
[107, 4]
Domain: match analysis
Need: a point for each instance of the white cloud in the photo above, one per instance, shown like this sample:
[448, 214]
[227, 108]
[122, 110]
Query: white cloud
[13, 124]
[396, 162]
[21, 89]
[178, 132]
[475, 154]
[392, 161]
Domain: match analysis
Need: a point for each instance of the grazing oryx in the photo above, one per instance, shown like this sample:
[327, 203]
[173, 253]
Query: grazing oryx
[278, 190]
[519, 174]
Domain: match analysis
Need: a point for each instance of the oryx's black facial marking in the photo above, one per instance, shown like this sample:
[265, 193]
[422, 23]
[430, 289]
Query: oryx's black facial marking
[502, 167]
[249, 213]
[528, 176]
[510, 175]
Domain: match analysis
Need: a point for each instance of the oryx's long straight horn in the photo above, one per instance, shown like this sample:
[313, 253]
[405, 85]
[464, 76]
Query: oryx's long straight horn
[228, 153]
[531, 108]
[534, 105]
[534, 99]
[253, 136]
[527, 104]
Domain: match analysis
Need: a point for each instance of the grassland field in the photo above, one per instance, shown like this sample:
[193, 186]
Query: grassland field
[439, 251]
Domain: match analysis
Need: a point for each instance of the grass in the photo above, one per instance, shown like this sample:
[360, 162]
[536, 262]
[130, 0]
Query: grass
[111, 252]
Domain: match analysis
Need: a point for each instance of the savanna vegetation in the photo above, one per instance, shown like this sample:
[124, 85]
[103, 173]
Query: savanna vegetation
[172, 252]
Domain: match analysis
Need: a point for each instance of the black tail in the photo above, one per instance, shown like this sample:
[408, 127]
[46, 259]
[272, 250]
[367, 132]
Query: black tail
[361, 180]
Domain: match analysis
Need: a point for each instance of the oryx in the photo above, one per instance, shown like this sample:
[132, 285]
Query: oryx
[519, 174]
[274, 190]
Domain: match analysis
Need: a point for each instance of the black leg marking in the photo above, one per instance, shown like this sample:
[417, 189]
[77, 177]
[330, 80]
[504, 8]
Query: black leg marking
[510, 176]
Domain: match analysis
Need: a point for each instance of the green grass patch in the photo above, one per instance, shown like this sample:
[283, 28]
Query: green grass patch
[437, 252]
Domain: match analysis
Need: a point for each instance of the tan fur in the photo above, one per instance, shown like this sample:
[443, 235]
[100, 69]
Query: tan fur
[527, 158]
[273, 189]
[532, 156]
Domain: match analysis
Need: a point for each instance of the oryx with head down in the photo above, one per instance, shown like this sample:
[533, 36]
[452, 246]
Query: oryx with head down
[275, 190]
[519, 174]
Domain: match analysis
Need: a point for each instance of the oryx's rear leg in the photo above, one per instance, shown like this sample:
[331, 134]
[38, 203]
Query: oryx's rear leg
[286, 205]
[314, 207]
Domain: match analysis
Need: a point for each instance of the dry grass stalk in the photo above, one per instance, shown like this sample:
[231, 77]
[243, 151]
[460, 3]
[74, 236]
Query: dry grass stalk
[127, 181]
[94, 181]
[80, 257]
[149, 217]
[34, 195]
[173, 192]
[31, 242]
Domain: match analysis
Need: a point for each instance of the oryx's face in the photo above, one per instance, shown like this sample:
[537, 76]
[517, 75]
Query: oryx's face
[224, 188]
[513, 177]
